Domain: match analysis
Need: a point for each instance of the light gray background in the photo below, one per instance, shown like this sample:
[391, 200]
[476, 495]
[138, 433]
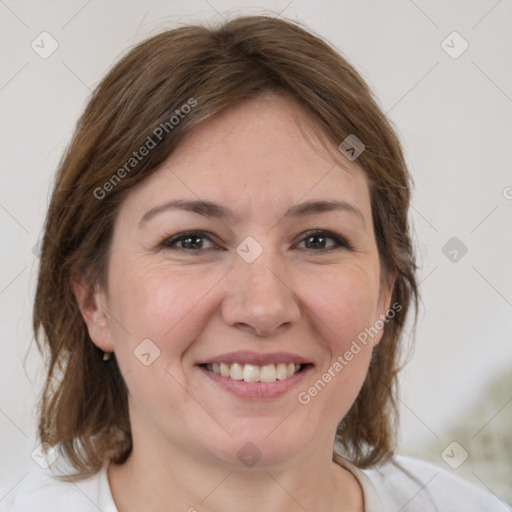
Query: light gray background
[454, 117]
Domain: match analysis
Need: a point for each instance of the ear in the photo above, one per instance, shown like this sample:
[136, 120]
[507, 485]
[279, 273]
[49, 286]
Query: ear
[92, 307]
[383, 310]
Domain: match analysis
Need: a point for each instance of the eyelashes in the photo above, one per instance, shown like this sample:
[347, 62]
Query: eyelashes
[322, 235]
[195, 241]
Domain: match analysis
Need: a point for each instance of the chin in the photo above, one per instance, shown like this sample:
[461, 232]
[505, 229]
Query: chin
[262, 448]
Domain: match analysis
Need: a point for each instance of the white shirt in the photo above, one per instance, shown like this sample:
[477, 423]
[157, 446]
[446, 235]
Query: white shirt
[404, 485]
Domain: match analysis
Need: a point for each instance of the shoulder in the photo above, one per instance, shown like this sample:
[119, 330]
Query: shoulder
[40, 491]
[410, 484]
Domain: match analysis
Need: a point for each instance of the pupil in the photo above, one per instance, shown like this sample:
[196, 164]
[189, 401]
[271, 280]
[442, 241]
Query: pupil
[315, 245]
[191, 241]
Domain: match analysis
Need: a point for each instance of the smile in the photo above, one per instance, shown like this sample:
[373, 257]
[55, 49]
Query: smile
[254, 373]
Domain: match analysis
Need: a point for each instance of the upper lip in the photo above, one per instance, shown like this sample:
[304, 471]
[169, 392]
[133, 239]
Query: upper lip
[256, 358]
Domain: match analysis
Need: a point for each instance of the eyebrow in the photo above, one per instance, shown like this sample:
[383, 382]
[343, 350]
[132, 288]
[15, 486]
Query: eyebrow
[217, 211]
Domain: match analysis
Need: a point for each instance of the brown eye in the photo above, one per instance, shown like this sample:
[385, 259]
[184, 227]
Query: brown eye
[323, 240]
[189, 241]
[316, 242]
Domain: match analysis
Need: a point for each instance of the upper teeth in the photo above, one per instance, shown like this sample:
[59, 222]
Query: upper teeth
[254, 373]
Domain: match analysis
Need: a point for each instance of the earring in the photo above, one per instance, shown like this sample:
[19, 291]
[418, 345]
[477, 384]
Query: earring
[106, 356]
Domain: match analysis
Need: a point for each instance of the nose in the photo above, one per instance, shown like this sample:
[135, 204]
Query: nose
[259, 300]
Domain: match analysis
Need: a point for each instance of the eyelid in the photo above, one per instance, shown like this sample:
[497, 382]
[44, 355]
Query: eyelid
[341, 241]
[169, 242]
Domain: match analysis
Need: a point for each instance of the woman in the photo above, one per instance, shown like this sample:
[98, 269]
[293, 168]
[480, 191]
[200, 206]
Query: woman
[226, 271]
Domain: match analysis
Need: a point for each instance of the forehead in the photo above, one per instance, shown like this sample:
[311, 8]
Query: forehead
[263, 154]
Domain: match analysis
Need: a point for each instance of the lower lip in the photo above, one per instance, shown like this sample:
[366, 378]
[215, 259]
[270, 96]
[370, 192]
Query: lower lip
[257, 390]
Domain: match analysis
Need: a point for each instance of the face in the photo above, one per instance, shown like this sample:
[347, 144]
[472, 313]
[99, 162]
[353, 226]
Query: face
[265, 260]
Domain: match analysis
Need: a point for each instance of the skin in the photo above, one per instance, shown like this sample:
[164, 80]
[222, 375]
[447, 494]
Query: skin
[311, 300]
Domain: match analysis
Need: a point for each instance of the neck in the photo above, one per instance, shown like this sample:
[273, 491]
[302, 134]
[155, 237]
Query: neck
[156, 479]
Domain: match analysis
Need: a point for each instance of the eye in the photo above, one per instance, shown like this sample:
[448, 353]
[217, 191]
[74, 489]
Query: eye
[323, 240]
[188, 241]
[198, 241]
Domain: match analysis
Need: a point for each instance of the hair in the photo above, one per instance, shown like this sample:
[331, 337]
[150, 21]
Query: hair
[84, 407]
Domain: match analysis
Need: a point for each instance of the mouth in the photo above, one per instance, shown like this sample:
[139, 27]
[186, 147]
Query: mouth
[250, 375]
[255, 373]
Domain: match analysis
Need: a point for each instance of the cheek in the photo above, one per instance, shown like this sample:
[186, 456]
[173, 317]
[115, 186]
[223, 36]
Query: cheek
[168, 307]
[161, 304]
[345, 304]
[341, 310]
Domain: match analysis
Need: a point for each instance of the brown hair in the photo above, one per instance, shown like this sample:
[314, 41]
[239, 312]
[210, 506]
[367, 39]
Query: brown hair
[84, 407]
